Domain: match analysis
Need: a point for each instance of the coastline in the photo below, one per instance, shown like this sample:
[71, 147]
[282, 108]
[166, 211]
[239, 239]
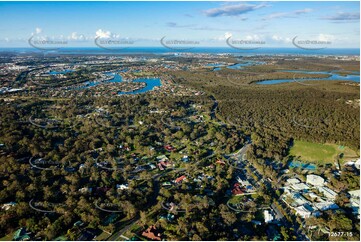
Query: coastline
[200, 50]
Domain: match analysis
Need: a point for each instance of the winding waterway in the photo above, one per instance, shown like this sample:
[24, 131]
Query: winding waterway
[333, 76]
[151, 83]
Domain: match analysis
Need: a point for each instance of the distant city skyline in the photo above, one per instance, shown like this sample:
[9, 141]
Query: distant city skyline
[207, 24]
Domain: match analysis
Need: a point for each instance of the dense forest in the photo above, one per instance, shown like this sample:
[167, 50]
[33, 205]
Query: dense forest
[321, 112]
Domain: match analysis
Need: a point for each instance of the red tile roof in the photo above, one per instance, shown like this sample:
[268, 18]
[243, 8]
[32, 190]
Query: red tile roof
[151, 233]
[180, 179]
[220, 162]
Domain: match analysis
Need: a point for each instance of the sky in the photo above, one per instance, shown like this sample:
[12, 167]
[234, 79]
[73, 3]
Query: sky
[271, 24]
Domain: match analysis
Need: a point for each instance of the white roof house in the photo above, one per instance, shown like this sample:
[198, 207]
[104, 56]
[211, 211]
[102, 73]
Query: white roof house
[315, 180]
[86, 190]
[244, 183]
[122, 186]
[268, 217]
[7, 206]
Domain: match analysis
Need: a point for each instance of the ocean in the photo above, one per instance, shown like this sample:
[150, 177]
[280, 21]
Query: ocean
[205, 50]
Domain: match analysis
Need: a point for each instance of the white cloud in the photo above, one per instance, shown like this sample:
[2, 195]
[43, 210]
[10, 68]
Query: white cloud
[278, 38]
[76, 36]
[292, 14]
[227, 35]
[38, 30]
[233, 10]
[342, 16]
[306, 10]
[326, 37]
[248, 37]
[253, 37]
[223, 37]
[318, 37]
[103, 34]
[106, 34]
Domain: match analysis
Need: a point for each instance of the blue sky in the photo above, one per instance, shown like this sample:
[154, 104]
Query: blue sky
[209, 23]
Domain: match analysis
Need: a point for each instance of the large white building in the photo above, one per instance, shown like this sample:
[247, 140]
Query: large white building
[303, 211]
[323, 206]
[292, 181]
[315, 180]
[299, 186]
[357, 164]
[330, 194]
[354, 193]
[355, 202]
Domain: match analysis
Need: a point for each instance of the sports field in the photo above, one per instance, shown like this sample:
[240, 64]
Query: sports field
[321, 153]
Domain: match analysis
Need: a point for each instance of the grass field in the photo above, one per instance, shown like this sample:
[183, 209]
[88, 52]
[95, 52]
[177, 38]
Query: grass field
[321, 153]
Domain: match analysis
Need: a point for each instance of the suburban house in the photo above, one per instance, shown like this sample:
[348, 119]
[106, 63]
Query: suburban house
[169, 217]
[85, 190]
[185, 158]
[160, 166]
[163, 164]
[221, 162]
[152, 233]
[7, 206]
[238, 189]
[122, 186]
[244, 183]
[180, 179]
[268, 217]
[151, 166]
[169, 148]
[166, 184]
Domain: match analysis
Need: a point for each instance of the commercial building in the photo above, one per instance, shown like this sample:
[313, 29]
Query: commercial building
[315, 180]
